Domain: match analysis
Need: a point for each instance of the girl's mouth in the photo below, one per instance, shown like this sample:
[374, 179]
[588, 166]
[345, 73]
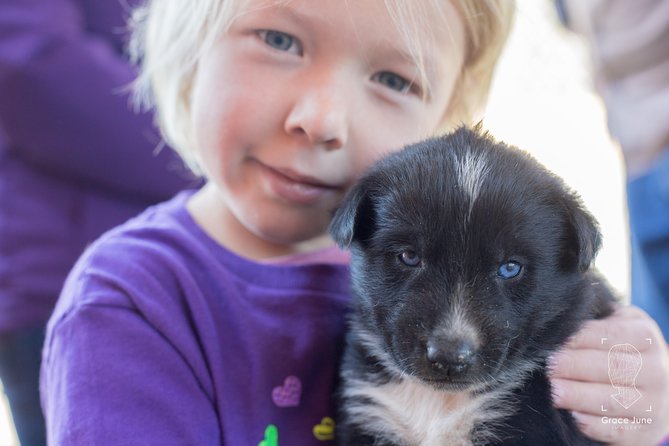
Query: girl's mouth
[295, 187]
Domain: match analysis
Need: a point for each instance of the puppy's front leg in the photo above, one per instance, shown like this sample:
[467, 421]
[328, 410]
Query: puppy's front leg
[362, 371]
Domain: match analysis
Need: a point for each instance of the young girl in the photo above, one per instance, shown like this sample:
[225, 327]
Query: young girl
[217, 317]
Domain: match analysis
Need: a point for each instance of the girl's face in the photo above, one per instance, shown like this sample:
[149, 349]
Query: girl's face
[295, 101]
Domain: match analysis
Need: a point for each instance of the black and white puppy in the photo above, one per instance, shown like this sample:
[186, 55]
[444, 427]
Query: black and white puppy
[471, 264]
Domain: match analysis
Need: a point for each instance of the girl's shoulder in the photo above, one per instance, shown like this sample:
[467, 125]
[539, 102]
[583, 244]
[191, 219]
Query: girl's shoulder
[162, 232]
[139, 260]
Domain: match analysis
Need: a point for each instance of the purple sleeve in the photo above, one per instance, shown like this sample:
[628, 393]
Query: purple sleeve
[62, 108]
[109, 377]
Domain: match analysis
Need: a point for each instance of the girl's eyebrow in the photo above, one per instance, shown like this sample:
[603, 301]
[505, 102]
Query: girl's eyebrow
[309, 21]
[400, 55]
[394, 54]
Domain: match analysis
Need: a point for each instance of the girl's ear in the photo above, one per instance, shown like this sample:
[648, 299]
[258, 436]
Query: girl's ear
[353, 221]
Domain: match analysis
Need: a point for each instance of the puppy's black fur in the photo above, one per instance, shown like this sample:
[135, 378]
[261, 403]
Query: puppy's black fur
[471, 264]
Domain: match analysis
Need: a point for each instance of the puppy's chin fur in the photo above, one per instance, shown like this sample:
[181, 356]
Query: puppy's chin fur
[401, 409]
[449, 346]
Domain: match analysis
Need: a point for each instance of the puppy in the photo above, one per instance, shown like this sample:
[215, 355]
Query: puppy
[471, 264]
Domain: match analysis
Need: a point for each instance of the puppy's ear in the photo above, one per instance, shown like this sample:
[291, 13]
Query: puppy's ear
[353, 221]
[585, 239]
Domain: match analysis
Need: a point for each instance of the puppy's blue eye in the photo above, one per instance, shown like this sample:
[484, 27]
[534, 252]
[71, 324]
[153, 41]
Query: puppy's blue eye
[509, 270]
[409, 258]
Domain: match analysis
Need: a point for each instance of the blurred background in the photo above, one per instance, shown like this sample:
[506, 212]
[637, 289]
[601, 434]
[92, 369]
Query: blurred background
[542, 102]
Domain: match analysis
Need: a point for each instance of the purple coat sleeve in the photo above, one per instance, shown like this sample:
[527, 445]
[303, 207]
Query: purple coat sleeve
[62, 106]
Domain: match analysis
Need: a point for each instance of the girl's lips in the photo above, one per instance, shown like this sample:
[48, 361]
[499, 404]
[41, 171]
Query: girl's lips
[304, 179]
[296, 188]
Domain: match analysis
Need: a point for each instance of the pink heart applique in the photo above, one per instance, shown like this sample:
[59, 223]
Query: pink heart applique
[289, 394]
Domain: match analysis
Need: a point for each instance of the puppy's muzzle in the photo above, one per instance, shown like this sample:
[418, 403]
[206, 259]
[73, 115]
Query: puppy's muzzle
[452, 357]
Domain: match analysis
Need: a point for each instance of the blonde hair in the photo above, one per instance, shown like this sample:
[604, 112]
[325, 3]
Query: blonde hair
[170, 36]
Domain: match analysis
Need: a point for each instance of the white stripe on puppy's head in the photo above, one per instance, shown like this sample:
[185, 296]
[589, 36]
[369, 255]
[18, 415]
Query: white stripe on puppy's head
[471, 171]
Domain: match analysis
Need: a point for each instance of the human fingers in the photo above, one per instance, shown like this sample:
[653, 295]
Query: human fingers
[585, 364]
[638, 379]
[606, 422]
[600, 399]
[611, 432]
[599, 366]
[627, 325]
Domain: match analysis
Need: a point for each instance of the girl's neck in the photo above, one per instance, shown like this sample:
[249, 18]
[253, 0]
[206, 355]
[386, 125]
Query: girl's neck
[222, 226]
[331, 256]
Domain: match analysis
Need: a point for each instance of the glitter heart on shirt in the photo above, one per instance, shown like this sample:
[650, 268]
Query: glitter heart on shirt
[288, 395]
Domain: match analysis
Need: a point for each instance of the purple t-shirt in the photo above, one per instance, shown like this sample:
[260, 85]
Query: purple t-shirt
[162, 336]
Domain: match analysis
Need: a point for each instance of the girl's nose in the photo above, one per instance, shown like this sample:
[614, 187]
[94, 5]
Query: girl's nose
[319, 114]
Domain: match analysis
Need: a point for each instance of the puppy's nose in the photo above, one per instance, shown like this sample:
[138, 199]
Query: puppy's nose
[454, 357]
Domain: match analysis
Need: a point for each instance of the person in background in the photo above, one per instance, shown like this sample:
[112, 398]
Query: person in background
[629, 47]
[75, 160]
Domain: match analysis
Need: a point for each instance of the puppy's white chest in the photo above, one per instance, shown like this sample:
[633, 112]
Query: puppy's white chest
[416, 415]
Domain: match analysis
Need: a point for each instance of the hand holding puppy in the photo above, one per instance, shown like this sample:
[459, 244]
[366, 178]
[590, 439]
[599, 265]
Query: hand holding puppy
[614, 376]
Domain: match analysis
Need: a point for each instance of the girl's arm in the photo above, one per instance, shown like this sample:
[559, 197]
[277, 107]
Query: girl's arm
[109, 377]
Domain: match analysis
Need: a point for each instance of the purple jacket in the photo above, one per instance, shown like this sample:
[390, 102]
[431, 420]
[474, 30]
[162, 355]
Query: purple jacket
[75, 159]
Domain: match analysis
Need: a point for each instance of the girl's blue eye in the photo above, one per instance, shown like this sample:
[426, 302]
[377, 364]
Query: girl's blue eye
[393, 81]
[409, 258]
[509, 270]
[278, 40]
